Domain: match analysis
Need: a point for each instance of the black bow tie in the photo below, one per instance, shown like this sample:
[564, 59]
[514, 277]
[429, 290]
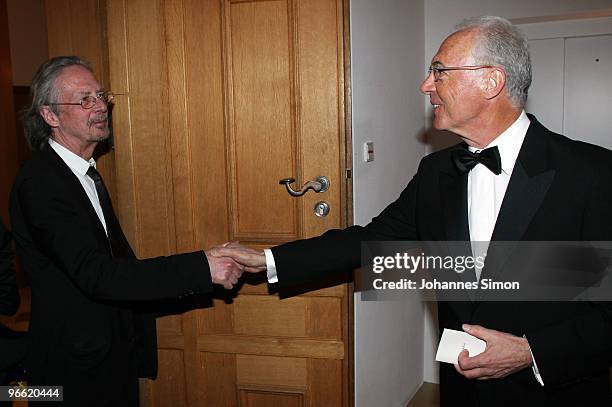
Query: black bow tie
[465, 160]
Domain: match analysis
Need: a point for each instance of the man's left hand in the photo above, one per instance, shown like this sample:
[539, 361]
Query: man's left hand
[504, 355]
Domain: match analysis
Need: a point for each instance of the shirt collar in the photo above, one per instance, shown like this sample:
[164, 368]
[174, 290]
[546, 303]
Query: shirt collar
[509, 142]
[73, 161]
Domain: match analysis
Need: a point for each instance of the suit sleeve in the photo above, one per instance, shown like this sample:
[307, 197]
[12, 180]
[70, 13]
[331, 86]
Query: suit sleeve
[340, 250]
[576, 349]
[66, 236]
[9, 295]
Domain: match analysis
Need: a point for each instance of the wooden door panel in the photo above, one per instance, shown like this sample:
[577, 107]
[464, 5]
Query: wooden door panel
[224, 98]
[299, 317]
[218, 386]
[261, 315]
[272, 371]
[261, 114]
[321, 119]
[172, 324]
[301, 382]
[218, 319]
[148, 131]
[284, 106]
[333, 291]
[325, 377]
[265, 345]
[169, 389]
[254, 398]
[200, 36]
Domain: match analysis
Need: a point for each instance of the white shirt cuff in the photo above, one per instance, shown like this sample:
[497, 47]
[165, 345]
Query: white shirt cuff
[534, 367]
[271, 265]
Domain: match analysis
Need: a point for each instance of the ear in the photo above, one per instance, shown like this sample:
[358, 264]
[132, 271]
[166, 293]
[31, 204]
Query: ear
[493, 82]
[49, 116]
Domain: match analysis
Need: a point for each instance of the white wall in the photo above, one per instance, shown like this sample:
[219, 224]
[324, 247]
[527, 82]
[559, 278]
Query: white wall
[440, 18]
[387, 52]
[442, 15]
[572, 63]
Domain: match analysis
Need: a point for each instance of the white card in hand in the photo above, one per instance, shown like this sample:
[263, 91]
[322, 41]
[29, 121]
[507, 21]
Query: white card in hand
[453, 342]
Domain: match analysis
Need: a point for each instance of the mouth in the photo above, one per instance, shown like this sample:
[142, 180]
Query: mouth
[98, 122]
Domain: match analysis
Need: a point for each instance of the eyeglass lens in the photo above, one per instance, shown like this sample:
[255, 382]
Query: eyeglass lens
[435, 71]
[90, 101]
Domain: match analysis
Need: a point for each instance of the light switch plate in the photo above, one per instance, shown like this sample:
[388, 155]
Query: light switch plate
[368, 151]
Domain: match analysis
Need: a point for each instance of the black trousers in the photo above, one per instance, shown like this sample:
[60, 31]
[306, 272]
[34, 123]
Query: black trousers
[13, 347]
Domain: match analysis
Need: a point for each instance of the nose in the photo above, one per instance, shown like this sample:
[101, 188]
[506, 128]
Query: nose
[100, 106]
[428, 84]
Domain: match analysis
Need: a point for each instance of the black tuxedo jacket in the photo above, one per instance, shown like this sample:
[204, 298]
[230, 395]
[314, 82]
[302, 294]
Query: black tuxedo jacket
[86, 330]
[12, 345]
[9, 296]
[560, 190]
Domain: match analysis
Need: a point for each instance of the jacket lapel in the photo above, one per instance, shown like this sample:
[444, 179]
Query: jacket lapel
[453, 198]
[530, 181]
[56, 161]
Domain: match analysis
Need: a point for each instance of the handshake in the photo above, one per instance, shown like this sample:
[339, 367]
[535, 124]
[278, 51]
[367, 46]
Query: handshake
[228, 261]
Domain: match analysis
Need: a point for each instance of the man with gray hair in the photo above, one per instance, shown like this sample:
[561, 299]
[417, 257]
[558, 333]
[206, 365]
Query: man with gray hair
[91, 329]
[511, 179]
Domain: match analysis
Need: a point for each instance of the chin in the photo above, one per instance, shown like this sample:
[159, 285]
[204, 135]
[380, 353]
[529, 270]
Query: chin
[102, 137]
[438, 124]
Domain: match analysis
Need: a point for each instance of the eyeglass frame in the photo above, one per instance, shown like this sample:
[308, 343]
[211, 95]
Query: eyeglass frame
[432, 69]
[107, 95]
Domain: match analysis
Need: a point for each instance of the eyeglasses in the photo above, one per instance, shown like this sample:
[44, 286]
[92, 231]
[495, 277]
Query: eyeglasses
[437, 71]
[89, 102]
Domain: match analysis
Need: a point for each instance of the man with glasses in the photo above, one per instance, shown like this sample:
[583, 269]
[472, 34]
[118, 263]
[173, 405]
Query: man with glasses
[510, 179]
[90, 331]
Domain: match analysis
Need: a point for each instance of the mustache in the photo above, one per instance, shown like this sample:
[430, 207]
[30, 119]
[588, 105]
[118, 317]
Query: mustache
[97, 119]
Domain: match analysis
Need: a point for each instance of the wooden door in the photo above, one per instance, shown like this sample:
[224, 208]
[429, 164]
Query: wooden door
[223, 99]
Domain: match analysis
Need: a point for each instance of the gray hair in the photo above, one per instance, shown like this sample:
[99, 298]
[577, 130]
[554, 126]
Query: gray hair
[500, 43]
[43, 91]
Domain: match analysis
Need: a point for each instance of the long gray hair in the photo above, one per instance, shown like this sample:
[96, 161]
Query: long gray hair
[43, 91]
[501, 43]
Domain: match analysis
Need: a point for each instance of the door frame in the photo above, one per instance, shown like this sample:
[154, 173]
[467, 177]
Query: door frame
[347, 201]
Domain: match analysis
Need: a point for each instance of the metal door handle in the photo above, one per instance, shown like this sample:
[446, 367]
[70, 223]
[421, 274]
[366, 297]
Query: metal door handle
[320, 184]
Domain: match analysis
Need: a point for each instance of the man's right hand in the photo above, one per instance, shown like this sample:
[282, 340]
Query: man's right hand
[253, 260]
[223, 270]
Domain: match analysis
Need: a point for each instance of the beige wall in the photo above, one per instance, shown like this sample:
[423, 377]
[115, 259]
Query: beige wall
[28, 37]
[387, 49]
[442, 15]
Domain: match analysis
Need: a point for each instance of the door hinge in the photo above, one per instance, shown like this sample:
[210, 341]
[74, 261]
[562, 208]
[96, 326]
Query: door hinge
[348, 174]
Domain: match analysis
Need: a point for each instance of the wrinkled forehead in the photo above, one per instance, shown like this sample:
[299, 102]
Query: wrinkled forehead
[76, 80]
[456, 50]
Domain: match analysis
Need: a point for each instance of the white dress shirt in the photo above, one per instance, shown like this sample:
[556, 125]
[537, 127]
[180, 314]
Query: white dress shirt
[485, 190]
[79, 167]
